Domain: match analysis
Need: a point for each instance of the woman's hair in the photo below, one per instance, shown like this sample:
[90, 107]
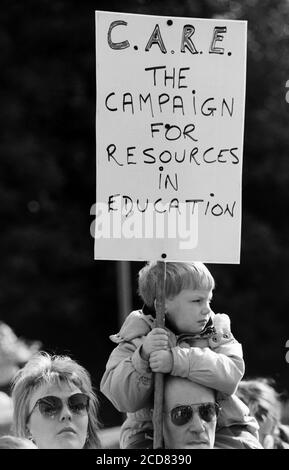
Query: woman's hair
[260, 391]
[13, 442]
[42, 369]
[179, 276]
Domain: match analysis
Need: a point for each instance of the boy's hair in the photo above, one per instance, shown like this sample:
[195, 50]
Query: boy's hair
[179, 276]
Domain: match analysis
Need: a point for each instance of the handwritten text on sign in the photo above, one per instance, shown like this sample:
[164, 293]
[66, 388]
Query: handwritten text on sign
[169, 134]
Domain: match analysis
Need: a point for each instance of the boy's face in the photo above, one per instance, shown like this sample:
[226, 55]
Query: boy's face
[189, 311]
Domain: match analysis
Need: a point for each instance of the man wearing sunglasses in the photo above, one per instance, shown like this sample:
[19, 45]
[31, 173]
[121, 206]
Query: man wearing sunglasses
[190, 415]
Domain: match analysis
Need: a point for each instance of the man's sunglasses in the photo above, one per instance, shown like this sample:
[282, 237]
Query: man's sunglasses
[182, 414]
[52, 406]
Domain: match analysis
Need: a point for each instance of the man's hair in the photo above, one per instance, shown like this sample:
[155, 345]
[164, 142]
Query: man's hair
[179, 276]
[44, 368]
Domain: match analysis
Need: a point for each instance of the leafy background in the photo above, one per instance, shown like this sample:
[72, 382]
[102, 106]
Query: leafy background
[50, 287]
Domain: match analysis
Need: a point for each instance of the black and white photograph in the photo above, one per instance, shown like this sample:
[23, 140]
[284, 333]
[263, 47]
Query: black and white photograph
[144, 240]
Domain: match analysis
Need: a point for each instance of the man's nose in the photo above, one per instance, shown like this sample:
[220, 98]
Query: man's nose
[65, 413]
[197, 424]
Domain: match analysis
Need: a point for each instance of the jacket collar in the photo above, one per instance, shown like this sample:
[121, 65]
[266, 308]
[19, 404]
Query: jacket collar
[208, 331]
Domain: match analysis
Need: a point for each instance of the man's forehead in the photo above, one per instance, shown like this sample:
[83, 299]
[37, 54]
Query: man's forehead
[180, 391]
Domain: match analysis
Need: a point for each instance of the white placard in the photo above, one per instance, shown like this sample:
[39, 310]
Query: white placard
[170, 104]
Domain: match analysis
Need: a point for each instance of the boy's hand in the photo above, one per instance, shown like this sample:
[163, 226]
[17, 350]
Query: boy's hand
[161, 361]
[155, 340]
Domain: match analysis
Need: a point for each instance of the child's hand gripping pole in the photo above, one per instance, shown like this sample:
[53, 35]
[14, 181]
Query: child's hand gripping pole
[159, 377]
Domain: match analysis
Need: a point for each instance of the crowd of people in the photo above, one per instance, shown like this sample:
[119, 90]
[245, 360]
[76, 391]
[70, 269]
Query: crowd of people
[47, 401]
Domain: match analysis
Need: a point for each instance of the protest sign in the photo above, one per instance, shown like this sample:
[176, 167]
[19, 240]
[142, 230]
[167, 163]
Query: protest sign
[169, 137]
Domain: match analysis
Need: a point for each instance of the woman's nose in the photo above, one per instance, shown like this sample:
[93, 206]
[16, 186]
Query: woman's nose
[65, 413]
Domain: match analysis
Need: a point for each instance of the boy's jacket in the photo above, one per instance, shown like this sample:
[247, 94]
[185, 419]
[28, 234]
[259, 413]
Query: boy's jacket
[213, 359]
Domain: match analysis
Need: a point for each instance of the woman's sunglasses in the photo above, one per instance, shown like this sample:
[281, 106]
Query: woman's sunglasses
[182, 414]
[52, 406]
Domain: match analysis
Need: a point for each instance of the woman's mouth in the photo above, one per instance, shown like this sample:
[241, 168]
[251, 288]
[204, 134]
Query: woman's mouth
[68, 430]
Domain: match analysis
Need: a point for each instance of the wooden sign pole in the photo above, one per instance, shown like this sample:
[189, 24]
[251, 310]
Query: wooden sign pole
[159, 377]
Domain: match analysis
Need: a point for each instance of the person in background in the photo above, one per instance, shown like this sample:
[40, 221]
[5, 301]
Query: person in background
[14, 353]
[54, 404]
[264, 403]
[13, 442]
